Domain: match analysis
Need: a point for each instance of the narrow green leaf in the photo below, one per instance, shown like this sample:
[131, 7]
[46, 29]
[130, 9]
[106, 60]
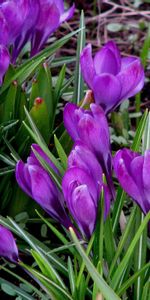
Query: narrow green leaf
[88, 250]
[34, 127]
[9, 104]
[49, 284]
[146, 293]
[59, 84]
[122, 266]
[107, 292]
[123, 240]
[21, 279]
[71, 276]
[79, 85]
[59, 235]
[26, 69]
[132, 279]
[61, 153]
[47, 268]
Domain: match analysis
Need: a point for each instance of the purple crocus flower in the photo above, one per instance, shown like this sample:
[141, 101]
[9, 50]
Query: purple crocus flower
[4, 61]
[51, 15]
[91, 127]
[82, 194]
[132, 171]
[27, 28]
[36, 182]
[80, 156]
[111, 78]
[4, 35]
[15, 13]
[8, 247]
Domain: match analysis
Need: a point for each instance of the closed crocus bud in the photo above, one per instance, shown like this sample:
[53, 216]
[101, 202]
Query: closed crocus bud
[82, 194]
[8, 247]
[91, 127]
[15, 13]
[81, 156]
[36, 182]
[111, 78]
[28, 27]
[4, 61]
[51, 15]
[132, 171]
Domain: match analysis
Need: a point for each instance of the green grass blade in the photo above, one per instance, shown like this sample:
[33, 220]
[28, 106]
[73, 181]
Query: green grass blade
[122, 266]
[79, 85]
[107, 292]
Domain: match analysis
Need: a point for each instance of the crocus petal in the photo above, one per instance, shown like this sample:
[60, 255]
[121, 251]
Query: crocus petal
[113, 47]
[4, 30]
[93, 129]
[131, 79]
[83, 209]
[4, 62]
[8, 247]
[27, 28]
[82, 157]
[71, 120]
[23, 183]
[87, 65]
[60, 5]
[15, 13]
[78, 176]
[125, 178]
[47, 23]
[146, 179]
[136, 167]
[107, 91]
[105, 61]
[67, 14]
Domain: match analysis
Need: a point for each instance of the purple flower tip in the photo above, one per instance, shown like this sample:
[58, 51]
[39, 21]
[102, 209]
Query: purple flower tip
[132, 171]
[8, 247]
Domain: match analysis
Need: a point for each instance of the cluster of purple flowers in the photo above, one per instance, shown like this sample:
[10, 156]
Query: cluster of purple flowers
[28, 20]
[91, 155]
[112, 79]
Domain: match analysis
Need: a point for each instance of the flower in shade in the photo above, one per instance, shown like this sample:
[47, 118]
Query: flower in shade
[8, 247]
[111, 78]
[52, 14]
[82, 194]
[91, 127]
[4, 61]
[132, 171]
[36, 182]
[31, 21]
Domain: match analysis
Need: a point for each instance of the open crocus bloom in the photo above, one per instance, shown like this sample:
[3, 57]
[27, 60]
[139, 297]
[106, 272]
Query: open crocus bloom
[36, 182]
[111, 78]
[133, 173]
[8, 247]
